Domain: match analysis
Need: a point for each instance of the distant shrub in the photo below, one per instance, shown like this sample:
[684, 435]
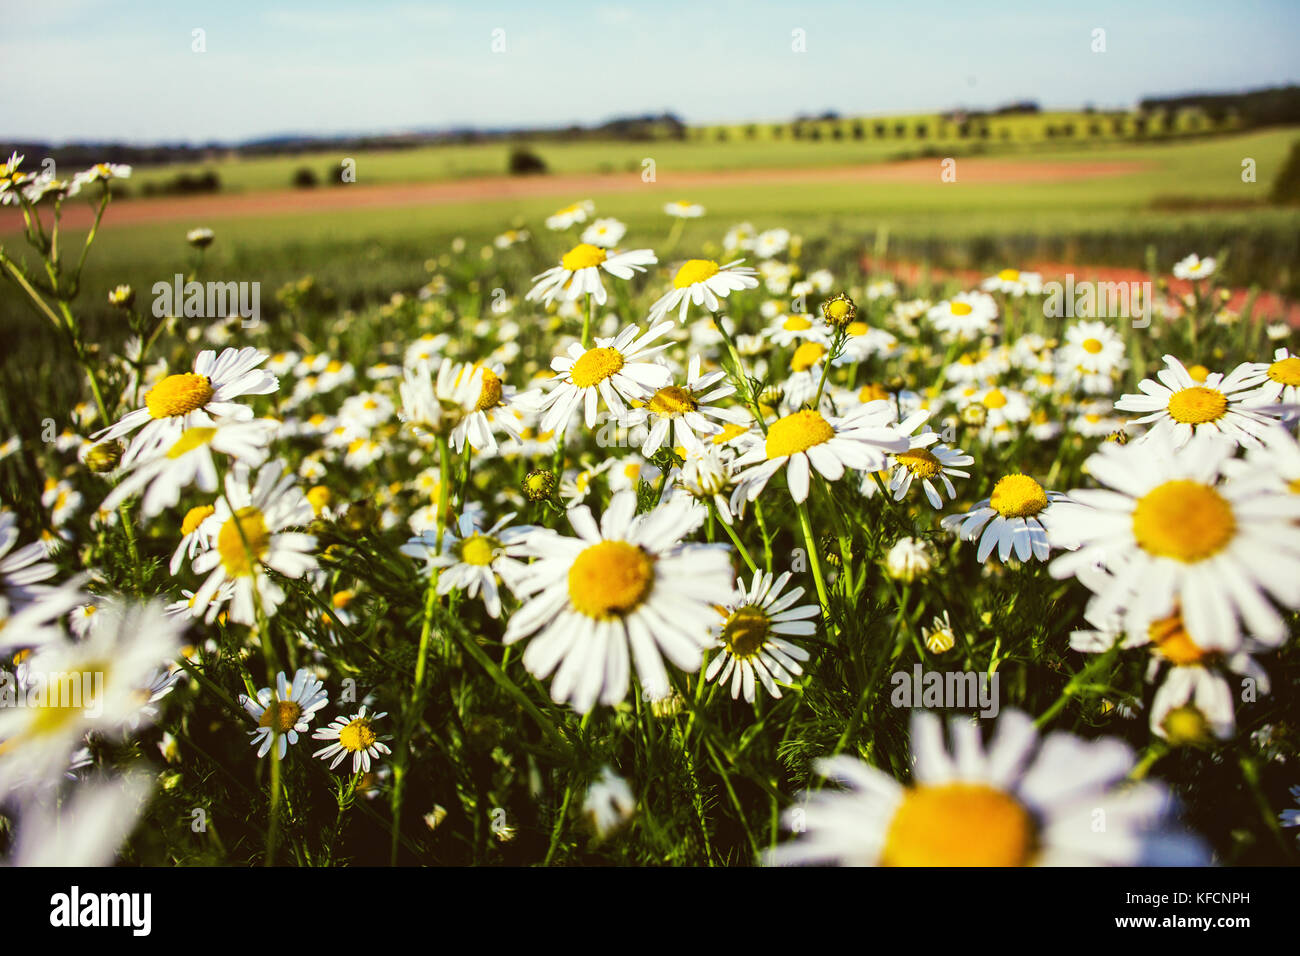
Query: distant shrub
[305, 178]
[1286, 188]
[185, 184]
[524, 162]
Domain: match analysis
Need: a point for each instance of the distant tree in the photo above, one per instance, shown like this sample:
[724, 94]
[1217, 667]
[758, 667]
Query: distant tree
[524, 162]
[304, 177]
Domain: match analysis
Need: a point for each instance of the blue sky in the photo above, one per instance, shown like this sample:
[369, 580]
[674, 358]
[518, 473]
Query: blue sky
[123, 69]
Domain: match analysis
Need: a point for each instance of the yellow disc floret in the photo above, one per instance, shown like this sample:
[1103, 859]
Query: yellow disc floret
[693, 271]
[179, 395]
[280, 716]
[797, 432]
[595, 366]
[746, 630]
[1184, 520]
[583, 256]
[1286, 371]
[243, 541]
[1018, 496]
[611, 579]
[806, 356]
[672, 400]
[358, 735]
[478, 549]
[959, 824]
[1197, 405]
[195, 517]
[920, 462]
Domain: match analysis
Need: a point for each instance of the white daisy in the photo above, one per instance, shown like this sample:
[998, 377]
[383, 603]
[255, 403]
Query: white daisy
[1180, 406]
[1018, 802]
[284, 713]
[1011, 518]
[927, 465]
[684, 209]
[1014, 282]
[614, 370]
[1092, 348]
[1194, 267]
[472, 560]
[1170, 533]
[353, 735]
[493, 407]
[578, 273]
[625, 592]
[609, 802]
[605, 233]
[703, 282]
[194, 398]
[570, 215]
[1280, 379]
[967, 315]
[252, 539]
[753, 636]
[682, 413]
[859, 440]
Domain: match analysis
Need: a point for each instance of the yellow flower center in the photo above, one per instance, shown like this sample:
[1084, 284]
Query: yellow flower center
[1172, 641]
[191, 439]
[797, 432]
[1197, 405]
[959, 824]
[1198, 373]
[855, 329]
[746, 630]
[994, 398]
[583, 256]
[195, 517]
[729, 431]
[490, 395]
[960, 308]
[672, 400]
[1286, 371]
[280, 716]
[920, 462]
[1018, 496]
[693, 271]
[319, 498]
[611, 579]
[242, 541]
[806, 356]
[1184, 520]
[796, 323]
[478, 550]
[595, 366]
[1092, 345]
[358, 735]
[178, 395]
[1186, 725]
[872, 392]
[1009, 275]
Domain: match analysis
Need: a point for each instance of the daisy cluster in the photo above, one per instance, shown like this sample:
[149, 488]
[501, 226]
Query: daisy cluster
[655, 528]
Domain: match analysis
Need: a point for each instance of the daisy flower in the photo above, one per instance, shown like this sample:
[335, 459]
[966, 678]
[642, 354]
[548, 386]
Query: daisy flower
[909, 559]
[472, 560]
[703, 282]
[1171, 533]
[200, 237]
[682, 412]
[966, 315]
[753, 635]
[494, 406]
[1092, 348]
[605, 233]
[1020, 802]
[792, 329]
[684, 209]
[927, 465]
[188, 461]
[284, 713]
[1014, 283]
[1280, 378]
[1010, 518]
[570, 215]
[180, 401]
[353, 735]
[195, 537]
[624, 593]
[578, 273]
[433, 406]
[808, 439]
[20, 570]
[1194, 267]
[1181, 407]
[705, 476]
[614, 370]
[609, 802]
[86, 829]
[252, 539]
